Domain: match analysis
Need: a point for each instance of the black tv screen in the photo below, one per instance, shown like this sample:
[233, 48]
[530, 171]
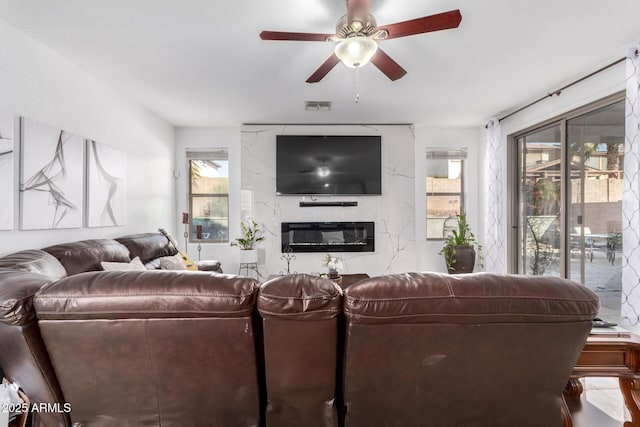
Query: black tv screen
[329, 165]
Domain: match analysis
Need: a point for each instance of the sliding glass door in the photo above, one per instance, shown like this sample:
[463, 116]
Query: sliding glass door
[540, 193]
[569, 200]
[596, 144]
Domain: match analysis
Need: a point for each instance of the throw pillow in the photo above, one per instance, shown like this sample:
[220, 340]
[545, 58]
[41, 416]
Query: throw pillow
[134, 264]
[172, 263]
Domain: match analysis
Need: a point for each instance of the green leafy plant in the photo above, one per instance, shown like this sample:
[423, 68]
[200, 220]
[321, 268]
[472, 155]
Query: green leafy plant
[462, 236]
[250, 235]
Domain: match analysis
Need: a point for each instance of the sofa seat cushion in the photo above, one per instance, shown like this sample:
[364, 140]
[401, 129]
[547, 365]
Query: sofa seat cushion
[34, 261]
[86, 255]
[468, 299]
[300, 296]
[146, 294]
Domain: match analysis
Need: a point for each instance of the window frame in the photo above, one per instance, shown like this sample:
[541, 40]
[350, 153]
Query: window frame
[513, 200]
[209, 155]
[437, 153]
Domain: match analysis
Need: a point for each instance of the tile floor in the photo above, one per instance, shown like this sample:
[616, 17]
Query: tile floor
[604, 394]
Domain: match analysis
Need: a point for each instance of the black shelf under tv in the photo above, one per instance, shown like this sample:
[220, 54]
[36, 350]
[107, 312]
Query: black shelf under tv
[331, 204]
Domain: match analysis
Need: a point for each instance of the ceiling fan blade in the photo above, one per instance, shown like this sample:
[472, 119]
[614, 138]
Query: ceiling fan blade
[426, 24]
[305, 37]
[388, 66]
[357, 10]
[324, 69]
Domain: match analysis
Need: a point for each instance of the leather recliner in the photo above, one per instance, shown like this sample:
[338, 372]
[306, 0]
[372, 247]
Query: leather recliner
[301, 336]
[184, 348]
[153, 347]
[428, 349]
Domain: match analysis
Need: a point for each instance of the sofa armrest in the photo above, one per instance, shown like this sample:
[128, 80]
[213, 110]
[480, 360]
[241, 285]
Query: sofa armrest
[17, 289]
[146, 294]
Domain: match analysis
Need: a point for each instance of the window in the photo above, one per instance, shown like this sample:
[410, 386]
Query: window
[567, 205]
[208, 196]
[445, 189]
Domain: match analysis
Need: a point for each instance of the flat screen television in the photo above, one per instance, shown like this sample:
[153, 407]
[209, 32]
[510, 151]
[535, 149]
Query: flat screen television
[328, 165]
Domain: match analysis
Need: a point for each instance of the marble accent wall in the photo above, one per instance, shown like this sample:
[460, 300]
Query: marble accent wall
[393, 212]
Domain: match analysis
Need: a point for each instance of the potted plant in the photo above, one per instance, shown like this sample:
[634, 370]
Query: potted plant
[460, 247]
[250, 236]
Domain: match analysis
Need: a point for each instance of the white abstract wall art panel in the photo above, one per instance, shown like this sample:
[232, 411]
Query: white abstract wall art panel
[6, 170]
[51, 184]
[106, 197]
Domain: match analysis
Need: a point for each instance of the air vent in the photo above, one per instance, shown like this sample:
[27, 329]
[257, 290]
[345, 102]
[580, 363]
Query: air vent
[317, 105]
[444, 153]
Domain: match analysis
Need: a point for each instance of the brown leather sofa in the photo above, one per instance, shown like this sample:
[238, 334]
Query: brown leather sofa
[167, 348]
[301, 333]
[127, 348]
[426, 349]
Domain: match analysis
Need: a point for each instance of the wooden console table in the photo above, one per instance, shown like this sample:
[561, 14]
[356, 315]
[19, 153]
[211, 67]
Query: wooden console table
[610, 354]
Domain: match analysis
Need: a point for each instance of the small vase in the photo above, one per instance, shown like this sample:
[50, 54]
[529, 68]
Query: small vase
[333, 273]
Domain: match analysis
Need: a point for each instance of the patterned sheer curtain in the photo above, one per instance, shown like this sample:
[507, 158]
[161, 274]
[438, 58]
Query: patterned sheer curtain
[493, 246]
[631, 195]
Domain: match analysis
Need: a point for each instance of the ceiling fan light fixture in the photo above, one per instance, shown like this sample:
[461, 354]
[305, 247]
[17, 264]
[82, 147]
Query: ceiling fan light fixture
[356, 51]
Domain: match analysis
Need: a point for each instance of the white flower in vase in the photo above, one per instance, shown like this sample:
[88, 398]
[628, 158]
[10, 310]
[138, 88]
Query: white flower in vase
[334, 264]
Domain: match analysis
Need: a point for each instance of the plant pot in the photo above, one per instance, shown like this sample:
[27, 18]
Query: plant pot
[461, 259]
[248, 256]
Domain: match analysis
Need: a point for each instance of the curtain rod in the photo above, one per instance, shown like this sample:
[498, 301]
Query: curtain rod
[559, 91]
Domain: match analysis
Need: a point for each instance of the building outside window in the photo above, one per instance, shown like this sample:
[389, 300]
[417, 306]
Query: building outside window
[208, 196]
[445, 191]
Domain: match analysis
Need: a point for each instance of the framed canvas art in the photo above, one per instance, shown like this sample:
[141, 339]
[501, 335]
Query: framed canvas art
[52, 177]
[6, 170]
[106, 195]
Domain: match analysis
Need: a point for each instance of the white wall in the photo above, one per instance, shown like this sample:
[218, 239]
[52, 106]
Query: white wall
[401, 209]
[597, 87]
[38, 83]
[210, 139]
[393, 212]
[427, 255]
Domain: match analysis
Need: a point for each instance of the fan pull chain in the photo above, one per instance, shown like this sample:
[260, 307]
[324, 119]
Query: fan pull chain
[357, 85]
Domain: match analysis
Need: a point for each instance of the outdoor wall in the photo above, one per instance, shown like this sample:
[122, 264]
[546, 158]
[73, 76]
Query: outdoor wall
[38, 83]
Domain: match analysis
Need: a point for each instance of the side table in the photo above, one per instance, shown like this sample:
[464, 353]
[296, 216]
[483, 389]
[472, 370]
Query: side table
[610, 354]
[249, 266]
[336, 280]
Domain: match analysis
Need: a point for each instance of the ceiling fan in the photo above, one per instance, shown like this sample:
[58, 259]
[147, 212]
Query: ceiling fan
[357, 35]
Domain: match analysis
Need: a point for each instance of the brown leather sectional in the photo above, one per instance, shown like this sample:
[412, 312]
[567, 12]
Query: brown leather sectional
[178, 348]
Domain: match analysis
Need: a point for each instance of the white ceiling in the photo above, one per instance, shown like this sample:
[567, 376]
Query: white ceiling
[201, 62]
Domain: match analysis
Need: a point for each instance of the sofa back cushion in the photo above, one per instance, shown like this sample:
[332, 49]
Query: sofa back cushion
[86, 255]
[421, 346]
[135, 347]
[149, 247]
[300, 328]
[34, 261]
